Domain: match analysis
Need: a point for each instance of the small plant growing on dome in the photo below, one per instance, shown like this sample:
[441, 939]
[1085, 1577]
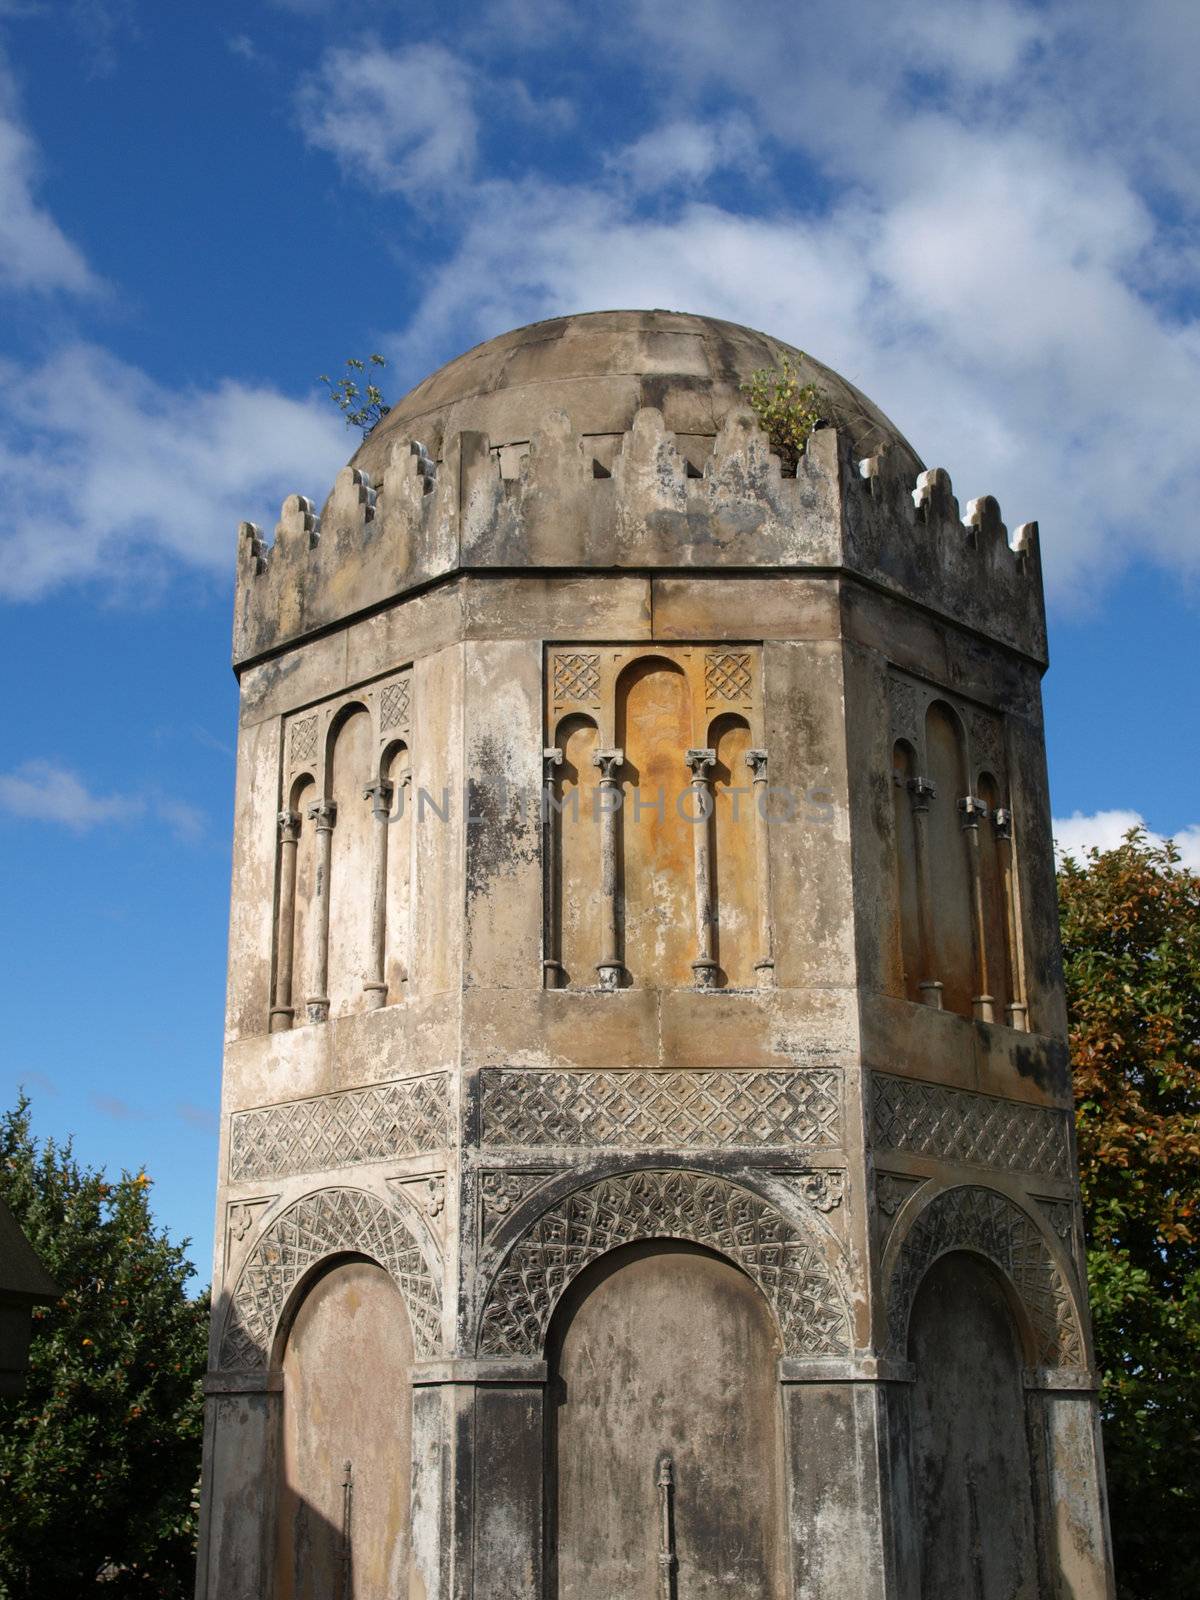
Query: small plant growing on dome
[361, 408]
[787, 410]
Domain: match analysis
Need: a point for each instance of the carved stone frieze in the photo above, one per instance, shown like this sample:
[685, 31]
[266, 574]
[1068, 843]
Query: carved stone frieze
[728, 677]
[987, 1223]
[823, 1188]
[891, 1192]
[788, 1266]
[903, 710]
[987, 743]
[673, 1110]
[576, 677]
[302, 741]
[321, 1225]
[340, 1130]
[500, 1193]
[929, 1119]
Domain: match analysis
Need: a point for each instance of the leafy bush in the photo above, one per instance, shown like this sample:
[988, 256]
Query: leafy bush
[787, 410]
[360, 411]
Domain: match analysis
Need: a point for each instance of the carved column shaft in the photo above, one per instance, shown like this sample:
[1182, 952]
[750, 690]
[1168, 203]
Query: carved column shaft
[379, 792]
[764, 967]
[283, 1011]
[610, 966]
[1016, 1012]
[552, 867]
[699, 764]
[922, 793]
[973, 812]
[324, 814]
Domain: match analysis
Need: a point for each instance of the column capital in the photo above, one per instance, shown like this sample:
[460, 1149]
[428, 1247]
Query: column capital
[609, 762]
[379, 792]
[1002, 822]
[922, 792]
[289, 826]
[699, 761]
[973, 809]
[324, 814]
[551, 757]
[756, 760]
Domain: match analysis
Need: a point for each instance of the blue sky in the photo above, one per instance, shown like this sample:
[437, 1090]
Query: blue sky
[983, 212]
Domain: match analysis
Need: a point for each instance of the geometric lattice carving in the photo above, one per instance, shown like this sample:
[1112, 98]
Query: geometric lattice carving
[990, 1224]
[576, 677]
[902, 698]
[502, 1192]
[954, 1125]
[318, 1226]
[791, 1271]
[726, 675]
[675, 1110]
[393, 705]
[987, 743]
[304, 740]
[340, 1130]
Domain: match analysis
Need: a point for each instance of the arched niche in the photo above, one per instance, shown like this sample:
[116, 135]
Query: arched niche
[973, 1479]
[656, 866]
[349, 767]
[396, 769]
[345, 1455]
[665, 1353]
[733, 857]
[952, 952]
[304, 929]
[577, 851]
[906, 939]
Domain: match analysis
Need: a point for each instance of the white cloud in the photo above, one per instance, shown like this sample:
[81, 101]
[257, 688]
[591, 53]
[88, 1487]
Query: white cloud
[397, 119]
[50, 793]
[991, 269]
[35, 254]
[47, 791]
[104, 473]
[1105, 830]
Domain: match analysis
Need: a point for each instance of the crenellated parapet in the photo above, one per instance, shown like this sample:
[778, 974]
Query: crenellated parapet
[646, 499]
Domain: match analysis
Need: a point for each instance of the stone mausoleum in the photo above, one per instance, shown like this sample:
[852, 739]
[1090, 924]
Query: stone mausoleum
[646, 1167]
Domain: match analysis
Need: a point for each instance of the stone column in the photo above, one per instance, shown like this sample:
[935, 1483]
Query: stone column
[973, 812]
[1016, 1012]
[608, 799]
[699, 763]
[1064, 1422]
[922, 793]
[764, 967]
[283, 1011]
[379, 792]
[324, 814]
[551, 866]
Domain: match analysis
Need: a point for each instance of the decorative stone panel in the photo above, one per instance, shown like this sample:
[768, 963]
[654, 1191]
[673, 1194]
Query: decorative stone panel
[325, 1224]
[407, 1118]
[988, 1224]
[704, 1209]
[674, 1110]
[927, 1119]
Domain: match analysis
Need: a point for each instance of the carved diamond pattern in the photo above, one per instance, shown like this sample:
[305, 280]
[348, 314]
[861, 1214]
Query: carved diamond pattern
[304, 740]
[789, 1269]
[576, 677]
[988, 742]
[954, 1125]
[321, 1225]
[393, 705]
[676, 1110]
[727, 675]
[980, 1220]
[902, 697]
[339, 1130]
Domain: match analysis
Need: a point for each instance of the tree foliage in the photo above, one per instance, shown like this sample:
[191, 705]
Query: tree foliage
[787, 410]
[1131, 943]
[361, 408]
[99, 1457]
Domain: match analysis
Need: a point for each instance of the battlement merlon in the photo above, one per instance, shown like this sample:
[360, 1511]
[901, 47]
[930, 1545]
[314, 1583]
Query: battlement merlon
[654, 503]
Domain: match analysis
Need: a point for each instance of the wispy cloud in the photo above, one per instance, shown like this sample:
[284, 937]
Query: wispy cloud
[136, 475]
[202, 1118]
[35, 254]
[109, 1105]
[46, 791]
[990, 259]
[1105, 830]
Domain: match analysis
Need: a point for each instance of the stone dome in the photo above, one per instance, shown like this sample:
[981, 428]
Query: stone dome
[600, 368]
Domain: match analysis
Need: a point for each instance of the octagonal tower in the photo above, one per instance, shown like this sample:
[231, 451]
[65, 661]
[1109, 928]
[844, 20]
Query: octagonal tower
[646, 1164]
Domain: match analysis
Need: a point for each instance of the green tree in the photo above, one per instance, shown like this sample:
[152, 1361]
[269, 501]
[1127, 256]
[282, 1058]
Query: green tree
[99, 1457]
[1131, 943]
[361, 409]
